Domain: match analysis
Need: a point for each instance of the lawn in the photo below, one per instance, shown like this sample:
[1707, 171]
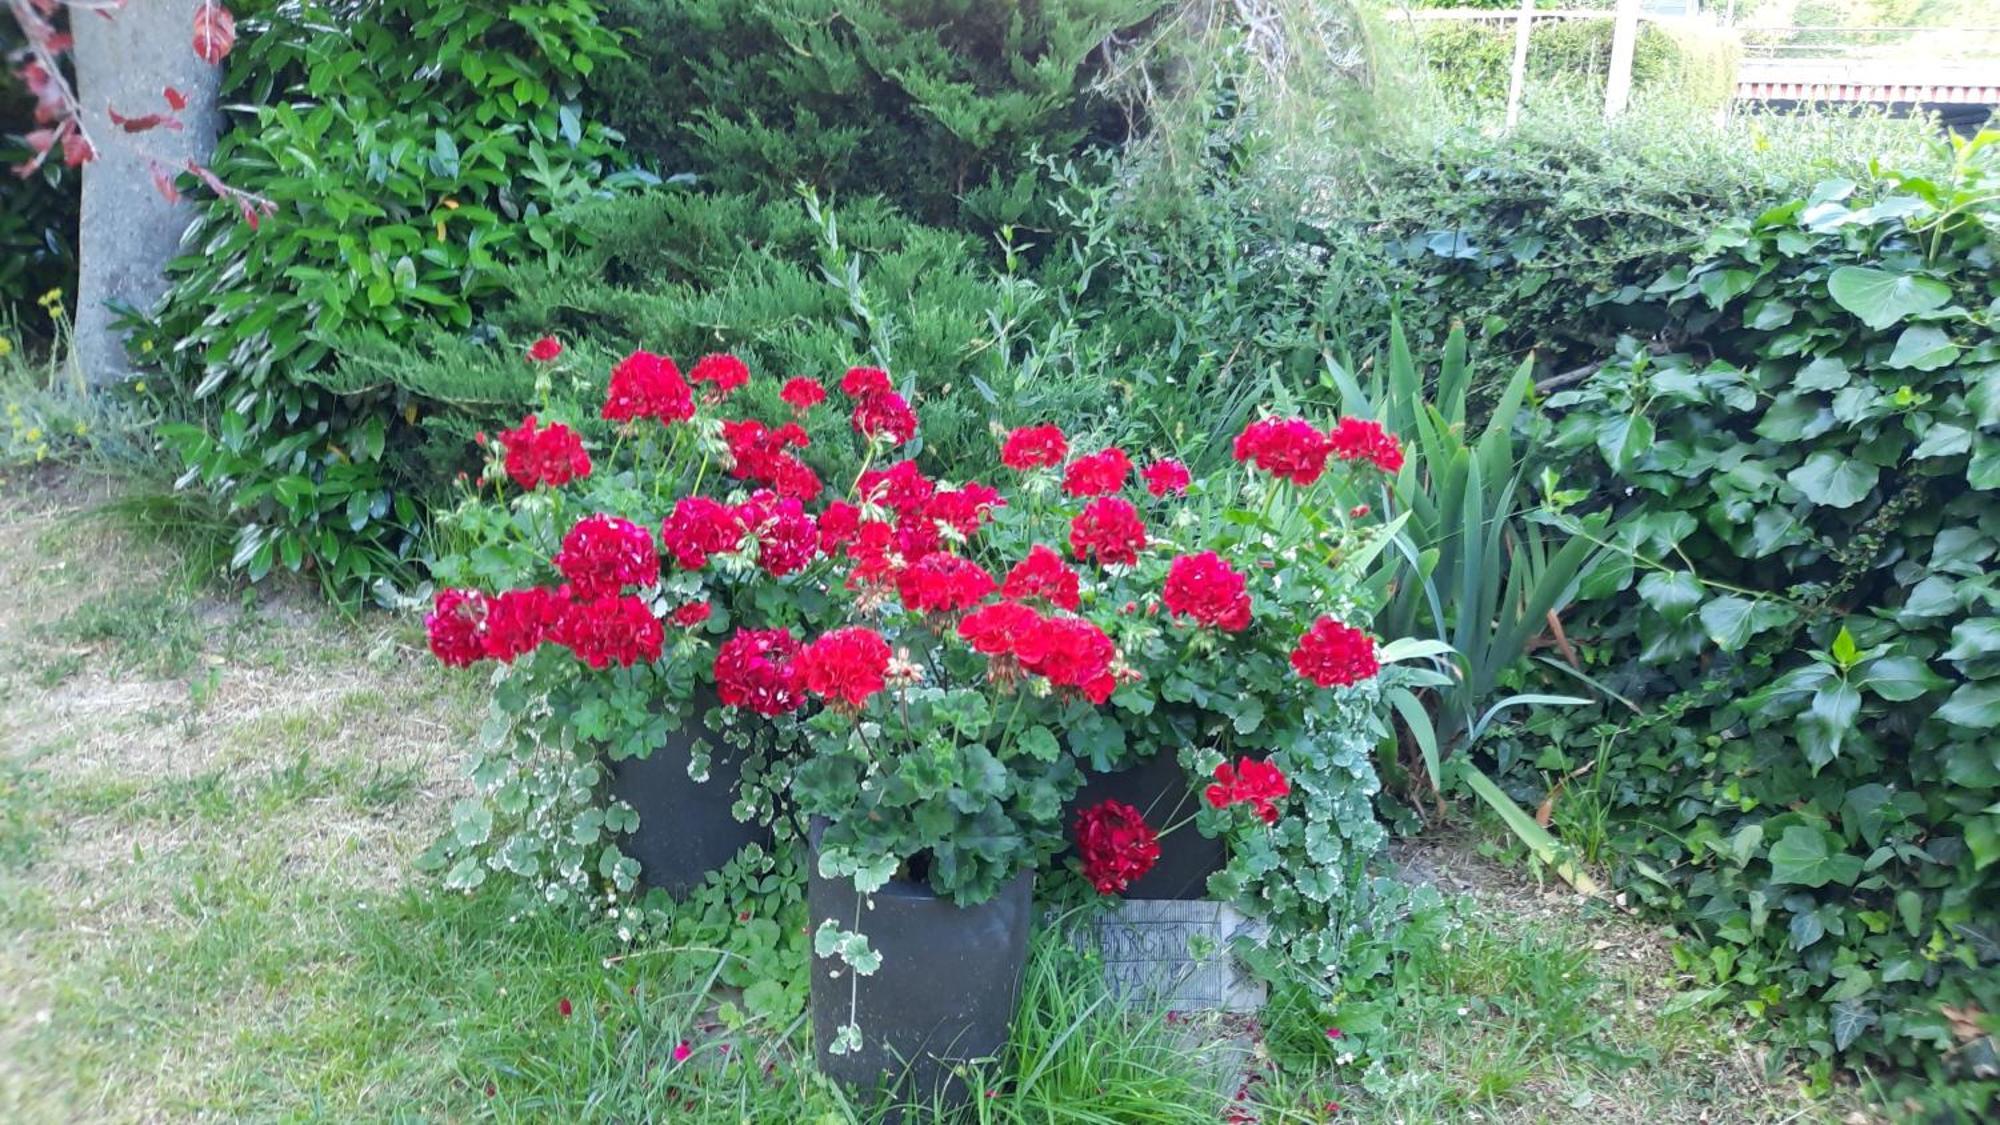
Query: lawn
[210, 802]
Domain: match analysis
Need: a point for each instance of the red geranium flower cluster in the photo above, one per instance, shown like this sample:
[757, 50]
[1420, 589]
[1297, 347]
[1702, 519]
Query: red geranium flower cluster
[787, 538]
[1072, 653]
[997, 629]
[1208, 589]
[454, 625]
[1043, 575]
[1110, 529]
[1099, 474]
[965, 509]
[1335, 655]
[845, 666]
[1115, 845]
[1034, 447]
[552, 456]
[700, 527]
[943, 583]
[860, 382]
[1290, 449]
[1359, 439]
[518, 621]
[693, 614]
[644, 385]
[902, 488]
[761, 454]
[722, 372]
[1250, 782]
[755, 669]
[614, 629]
[801, 393]
[879, 412]
[887, 416]
[545, 350]
[604, 554]
[1166, 476]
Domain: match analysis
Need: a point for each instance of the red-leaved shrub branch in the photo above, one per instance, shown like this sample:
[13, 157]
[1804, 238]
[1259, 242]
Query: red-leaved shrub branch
[59, 115]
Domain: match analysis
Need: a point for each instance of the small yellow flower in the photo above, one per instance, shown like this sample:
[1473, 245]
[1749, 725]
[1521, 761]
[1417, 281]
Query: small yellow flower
[146, 346]
[34, 433]
[50, 299]
[140, 386]
[6, 347]
[82, 429]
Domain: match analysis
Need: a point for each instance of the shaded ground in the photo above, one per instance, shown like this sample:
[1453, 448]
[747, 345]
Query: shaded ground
[208, 808]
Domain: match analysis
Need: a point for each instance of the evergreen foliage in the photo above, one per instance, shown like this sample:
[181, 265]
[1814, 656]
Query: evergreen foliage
[933, 105]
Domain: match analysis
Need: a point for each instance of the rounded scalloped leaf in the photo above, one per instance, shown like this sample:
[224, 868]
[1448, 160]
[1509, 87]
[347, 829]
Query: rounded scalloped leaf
[1881, 298]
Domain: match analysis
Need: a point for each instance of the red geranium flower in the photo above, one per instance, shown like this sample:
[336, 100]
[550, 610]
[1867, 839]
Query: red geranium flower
[997, 629]
[874, 555]
[964, 509]
[1099, 474]
[838, 525]
[845, 666]
[1250, 782]
[1073, 653]
[518, 621]
[1109, 528]
[794, 479]
[1043, 575]
[801, 393]
[1034, 447]
[1358, 439]
[1288, 448]
[604, 554]
[722, 372]
[886, 416]
[545, 350]
[553, 456]
[1208, 589]
[644, 385]
[1166, 476]
[453, 627]
[1331, 654]
[700, 527]
[942, 583]
[787, 538]
[865, 382]
[755, 669]
[615, 629]
[1116, 846]
[901, 487]
[693, 614]
[759, 453]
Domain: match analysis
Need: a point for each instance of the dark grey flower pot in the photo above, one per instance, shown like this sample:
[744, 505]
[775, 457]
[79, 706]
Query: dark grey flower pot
[685, 826]
[944, 996]
[1160, 789]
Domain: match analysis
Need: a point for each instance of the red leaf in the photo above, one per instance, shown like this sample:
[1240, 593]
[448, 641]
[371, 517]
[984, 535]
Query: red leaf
[140, 124]
[214, 32]
[176, 100]
[163, 182]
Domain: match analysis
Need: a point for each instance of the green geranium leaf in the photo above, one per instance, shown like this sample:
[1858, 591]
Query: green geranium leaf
[1881, 298]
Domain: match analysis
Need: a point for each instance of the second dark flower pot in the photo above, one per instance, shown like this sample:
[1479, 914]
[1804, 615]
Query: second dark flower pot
[1164, 794]
[685, 826]
[944, 995]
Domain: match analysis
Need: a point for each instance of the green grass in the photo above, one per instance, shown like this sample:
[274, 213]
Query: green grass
[207, 910]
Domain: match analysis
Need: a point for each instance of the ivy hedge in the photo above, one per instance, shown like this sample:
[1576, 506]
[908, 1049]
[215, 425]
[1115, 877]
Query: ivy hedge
[1807, 619]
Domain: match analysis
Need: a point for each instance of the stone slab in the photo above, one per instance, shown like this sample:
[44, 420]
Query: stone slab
[1175, 954]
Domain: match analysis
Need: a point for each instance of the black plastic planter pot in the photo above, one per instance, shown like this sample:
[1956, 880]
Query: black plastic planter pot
[1161, 790]
[944, 995]
[685, 828]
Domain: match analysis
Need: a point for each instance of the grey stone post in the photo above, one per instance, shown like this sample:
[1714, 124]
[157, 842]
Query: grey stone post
[128, 232]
